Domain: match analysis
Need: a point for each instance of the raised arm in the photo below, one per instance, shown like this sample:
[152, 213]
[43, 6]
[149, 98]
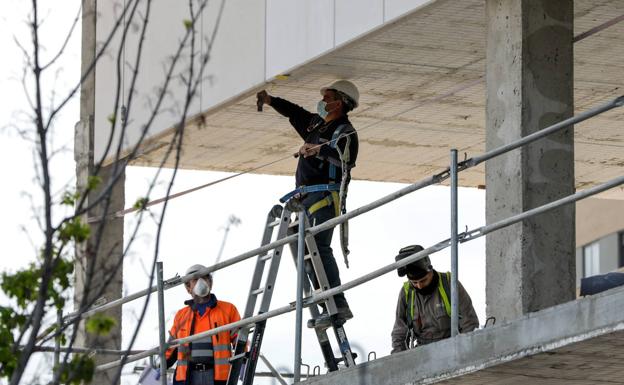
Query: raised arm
[299, 117]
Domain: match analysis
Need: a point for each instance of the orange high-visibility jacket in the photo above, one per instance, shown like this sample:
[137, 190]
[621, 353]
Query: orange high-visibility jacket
[220, 314]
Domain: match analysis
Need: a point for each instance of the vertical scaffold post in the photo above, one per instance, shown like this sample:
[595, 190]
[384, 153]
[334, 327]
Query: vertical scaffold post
[454, 264]
[299, 309]
[57, 341]
[161, 323]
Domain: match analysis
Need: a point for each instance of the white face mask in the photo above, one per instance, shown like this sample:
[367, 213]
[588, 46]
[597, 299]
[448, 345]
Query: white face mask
[201, 288]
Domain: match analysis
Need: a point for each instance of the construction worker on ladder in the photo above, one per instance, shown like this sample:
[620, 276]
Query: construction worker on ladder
[203, 362]
[423, 312]
[323, 172]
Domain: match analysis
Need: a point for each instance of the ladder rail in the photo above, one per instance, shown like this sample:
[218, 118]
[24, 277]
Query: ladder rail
[317, 276]
[274, 218]
[260, 260]
[319, 269]
[274, 266]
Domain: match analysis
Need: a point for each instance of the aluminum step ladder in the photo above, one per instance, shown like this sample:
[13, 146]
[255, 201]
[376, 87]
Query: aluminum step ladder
[279, 220]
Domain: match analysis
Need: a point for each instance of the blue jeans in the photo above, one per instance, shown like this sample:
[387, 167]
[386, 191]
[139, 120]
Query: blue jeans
[323, 242]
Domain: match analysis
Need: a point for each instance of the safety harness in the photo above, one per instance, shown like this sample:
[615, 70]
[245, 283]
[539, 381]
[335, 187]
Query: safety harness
[410, 294]
[338, 191]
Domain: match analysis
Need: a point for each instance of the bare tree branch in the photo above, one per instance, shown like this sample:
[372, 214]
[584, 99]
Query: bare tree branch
[67, 38]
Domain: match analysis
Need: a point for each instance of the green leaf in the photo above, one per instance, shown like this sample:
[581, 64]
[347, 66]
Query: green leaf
[100, 324]
[22, 286]
[93, 182]
[70, 198]
[8, 359]
[141, 203]
[112, 118]
[188, 24]
[75, 230]
[79, 369]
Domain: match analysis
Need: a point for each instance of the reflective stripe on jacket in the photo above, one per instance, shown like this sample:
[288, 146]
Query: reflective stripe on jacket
[410, 293]
[214, 349]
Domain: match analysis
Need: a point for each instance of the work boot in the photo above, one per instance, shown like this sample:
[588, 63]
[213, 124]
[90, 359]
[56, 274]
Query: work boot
[324, 320]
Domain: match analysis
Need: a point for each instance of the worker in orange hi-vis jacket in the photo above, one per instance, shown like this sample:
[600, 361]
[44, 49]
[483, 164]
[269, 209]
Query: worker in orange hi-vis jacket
[206, 361]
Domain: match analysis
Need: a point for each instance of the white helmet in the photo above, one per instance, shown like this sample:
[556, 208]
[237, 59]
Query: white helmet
[347, 88]
[194, 269]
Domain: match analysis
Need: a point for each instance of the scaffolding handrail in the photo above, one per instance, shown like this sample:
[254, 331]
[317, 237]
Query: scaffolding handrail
[315, 298]
[177, 280]
[617, 102]
[428, 181]
[436, 178]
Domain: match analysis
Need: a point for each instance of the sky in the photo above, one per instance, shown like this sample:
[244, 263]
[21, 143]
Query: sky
[195, 223]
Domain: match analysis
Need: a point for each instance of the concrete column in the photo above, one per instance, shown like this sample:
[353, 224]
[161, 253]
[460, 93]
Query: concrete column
[530, 265]
[99, 264]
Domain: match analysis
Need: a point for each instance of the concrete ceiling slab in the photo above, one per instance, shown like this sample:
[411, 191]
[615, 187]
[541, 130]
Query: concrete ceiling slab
[422, 93]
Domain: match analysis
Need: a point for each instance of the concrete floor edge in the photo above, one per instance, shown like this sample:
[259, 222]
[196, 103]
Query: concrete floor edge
[542, 331]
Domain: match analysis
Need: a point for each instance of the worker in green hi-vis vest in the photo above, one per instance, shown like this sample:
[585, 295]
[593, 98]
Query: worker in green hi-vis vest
[423, 313]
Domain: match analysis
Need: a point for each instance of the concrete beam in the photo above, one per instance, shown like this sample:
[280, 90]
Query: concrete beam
[530, 265]
[534, 333]
[100, 260]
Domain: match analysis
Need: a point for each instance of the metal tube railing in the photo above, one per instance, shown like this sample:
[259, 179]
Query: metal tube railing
[315, 298]
[617, 102]
[57, 341]
[161, 323]
[173, 282]
[272, 370]
[454, 248]
[483, 230]
[112, 352]
[438, 178]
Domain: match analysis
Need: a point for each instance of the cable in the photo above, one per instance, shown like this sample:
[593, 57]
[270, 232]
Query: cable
[460, 88]
[129, 210]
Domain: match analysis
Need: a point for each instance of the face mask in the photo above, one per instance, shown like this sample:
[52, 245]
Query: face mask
[320, 109]
[201, 289]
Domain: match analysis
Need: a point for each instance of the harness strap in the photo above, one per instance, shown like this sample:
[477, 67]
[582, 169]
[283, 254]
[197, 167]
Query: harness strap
[341, 203]
[310, 189]
[334, 144]
[328, 200]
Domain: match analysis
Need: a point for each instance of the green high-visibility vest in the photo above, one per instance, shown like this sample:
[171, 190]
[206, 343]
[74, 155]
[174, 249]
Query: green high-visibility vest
[410, 293]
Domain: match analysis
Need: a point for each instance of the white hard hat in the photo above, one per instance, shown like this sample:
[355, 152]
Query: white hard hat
[347, 88]
[194, 269]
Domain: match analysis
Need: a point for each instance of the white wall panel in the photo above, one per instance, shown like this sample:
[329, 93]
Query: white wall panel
[297, 31]
[396, 8]
[355, 17]
[236, 62]
[256, 40]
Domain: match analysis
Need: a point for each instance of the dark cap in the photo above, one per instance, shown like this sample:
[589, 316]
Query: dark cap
[417, 269]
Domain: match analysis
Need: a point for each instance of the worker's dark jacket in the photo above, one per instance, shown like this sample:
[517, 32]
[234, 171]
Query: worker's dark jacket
[431, 321]
[315, 170]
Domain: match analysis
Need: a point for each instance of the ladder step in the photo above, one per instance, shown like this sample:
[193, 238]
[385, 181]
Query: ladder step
[238, 356]
[267, 256]
[274, 223]
[257, 291]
